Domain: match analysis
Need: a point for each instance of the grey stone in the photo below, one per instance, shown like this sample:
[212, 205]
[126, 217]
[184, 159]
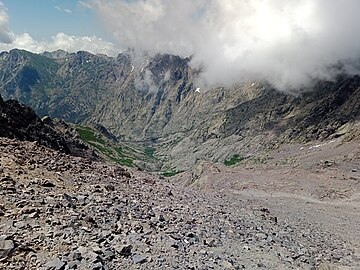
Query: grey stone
[138, 258]
[123, 250]
[72, 265]
[97, 266]
[108, 254]
[75, 255]
[88, 254]
[6, 247]
[55, 264]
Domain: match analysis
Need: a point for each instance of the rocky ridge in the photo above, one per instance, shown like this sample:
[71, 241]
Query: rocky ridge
[20, 122]
[269, 120]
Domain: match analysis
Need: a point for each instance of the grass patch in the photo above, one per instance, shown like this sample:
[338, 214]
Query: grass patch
[119, 151]
[149, 152]
[103, 149]
[170, 173]
[88, 135]
[233, 160]
[116, 154]
[123, 161]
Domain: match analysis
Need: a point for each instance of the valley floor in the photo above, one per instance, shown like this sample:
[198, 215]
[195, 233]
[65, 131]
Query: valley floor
[297, 209]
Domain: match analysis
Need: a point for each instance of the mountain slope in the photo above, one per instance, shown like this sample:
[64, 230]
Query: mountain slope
[313, 115]
[153, 101]
[270, 119]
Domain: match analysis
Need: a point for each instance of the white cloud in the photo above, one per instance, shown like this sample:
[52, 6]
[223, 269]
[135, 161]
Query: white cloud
[62, 41]
[66, 10]
[5, 36]
[286, 42]
[85, 4]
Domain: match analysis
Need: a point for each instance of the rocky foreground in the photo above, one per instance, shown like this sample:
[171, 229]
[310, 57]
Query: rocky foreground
[63, 212]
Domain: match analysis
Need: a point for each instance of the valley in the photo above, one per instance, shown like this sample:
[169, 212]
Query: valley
[124, 163]
[152, 102]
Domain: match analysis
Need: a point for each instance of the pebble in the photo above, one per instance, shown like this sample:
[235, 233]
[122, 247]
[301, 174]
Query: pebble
[6, 247]
[138, 258]
[55, 264]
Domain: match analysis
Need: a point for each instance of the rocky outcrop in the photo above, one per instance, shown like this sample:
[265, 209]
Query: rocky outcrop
[20, 122]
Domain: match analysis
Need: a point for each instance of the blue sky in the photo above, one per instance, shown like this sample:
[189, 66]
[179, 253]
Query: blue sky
[49, 25]
[45, 18]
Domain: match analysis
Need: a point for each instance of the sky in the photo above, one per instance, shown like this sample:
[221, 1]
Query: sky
[44, 18]
[48, 25]
[288, 43]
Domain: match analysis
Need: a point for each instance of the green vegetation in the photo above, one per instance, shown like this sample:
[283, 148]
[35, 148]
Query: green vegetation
[124, 161]
[149, 152]
[120, 153]
[119, 150]
[170, 173]
[115, 154]
[88, 135]
[233, 160]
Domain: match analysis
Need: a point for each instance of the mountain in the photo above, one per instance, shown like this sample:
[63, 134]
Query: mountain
[153, 101]
[291, 202]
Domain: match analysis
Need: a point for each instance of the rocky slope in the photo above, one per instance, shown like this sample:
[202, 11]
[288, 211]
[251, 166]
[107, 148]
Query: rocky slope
[64, 212]
[20, 122]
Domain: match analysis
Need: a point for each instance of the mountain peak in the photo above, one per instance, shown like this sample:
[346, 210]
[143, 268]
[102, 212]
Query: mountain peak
[58, 54]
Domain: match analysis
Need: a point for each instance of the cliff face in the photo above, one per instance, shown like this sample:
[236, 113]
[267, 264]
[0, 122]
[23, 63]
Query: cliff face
[314, 115]
[154, 101]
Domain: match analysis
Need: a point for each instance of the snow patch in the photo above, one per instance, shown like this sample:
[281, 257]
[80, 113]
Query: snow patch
[320, 145]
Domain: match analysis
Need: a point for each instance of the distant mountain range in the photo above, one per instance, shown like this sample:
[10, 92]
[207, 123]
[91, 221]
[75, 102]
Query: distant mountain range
[154, 101]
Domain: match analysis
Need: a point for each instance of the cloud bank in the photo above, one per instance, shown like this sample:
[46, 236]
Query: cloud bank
[10, 40]
[289, 43]
[62, 41]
